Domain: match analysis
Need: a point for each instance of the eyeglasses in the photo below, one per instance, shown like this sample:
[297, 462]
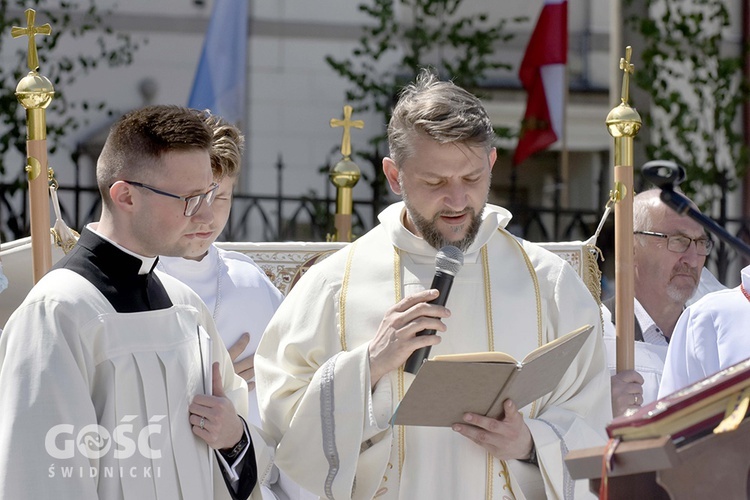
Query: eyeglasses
[679, 244]
[192, 203]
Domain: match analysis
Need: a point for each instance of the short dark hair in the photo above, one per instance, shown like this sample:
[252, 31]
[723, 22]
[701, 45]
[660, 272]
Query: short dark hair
[442, 111]
[140, 138]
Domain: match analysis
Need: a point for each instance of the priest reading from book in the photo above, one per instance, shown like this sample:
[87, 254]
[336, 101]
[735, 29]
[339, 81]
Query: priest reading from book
[330, 364]
[113, 379]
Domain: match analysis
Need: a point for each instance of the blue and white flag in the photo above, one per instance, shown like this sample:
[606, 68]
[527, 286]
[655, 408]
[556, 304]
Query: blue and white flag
[219, 83]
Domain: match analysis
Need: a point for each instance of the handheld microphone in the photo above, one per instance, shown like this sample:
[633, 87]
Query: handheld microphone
[448, 261]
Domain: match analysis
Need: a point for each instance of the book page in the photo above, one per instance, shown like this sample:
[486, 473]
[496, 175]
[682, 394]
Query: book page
[542, 370]
[581, 334]
[478, 357]
[443, 391]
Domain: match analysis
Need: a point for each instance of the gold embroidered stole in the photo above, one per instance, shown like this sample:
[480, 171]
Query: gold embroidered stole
[512, 251]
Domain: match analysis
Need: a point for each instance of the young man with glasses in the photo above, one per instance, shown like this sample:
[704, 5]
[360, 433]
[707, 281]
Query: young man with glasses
[192, 203]
[668, 255]
[113, 380]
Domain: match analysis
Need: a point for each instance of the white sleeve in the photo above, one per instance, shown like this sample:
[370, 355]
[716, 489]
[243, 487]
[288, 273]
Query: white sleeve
[692, 352]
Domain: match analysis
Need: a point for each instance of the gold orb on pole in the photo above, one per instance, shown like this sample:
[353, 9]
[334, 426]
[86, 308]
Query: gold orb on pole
[623, 121]
[35, 91]
[345, 175]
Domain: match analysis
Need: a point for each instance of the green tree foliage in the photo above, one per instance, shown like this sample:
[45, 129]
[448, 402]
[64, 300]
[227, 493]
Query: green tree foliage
[69, 20]
[394, 47]
[692, 71]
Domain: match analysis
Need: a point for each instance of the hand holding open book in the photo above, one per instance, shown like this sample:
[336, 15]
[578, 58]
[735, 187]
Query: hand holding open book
[446, 387]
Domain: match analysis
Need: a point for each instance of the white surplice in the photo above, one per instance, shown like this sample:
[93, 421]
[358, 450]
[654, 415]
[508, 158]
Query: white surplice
[237, 291]
[95, 402]
[313, 371]
[242, 299]
[709, 336]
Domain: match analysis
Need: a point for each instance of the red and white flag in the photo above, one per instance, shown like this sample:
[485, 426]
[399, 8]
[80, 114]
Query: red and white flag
[542, 74]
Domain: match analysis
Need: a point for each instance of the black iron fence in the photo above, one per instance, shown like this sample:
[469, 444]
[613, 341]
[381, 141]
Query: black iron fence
[310, 218]
[253, 217]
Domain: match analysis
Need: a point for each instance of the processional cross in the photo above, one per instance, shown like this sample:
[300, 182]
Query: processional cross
[623, 123]
[347, 123]
[35, 92]
[32, 59]
[344, 175]
[628, 69]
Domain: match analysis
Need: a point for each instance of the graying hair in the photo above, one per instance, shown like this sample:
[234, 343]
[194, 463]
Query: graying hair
[644, 207]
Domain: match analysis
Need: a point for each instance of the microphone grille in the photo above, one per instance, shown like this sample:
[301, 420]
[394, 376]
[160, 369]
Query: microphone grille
[449, 259]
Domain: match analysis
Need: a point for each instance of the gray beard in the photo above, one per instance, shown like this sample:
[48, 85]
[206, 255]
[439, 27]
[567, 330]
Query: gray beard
[680, 295]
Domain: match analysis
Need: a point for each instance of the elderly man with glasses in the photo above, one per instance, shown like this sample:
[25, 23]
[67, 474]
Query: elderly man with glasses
[668, 255]
[711, 334]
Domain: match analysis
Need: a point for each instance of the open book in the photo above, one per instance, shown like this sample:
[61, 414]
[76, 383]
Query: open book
[448, 386]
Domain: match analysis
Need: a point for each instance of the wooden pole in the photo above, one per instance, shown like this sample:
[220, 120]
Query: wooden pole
[35, 92]
[624, 278]
[623, 123]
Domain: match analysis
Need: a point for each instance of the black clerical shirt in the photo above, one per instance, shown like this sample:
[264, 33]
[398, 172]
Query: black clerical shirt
[116, 274]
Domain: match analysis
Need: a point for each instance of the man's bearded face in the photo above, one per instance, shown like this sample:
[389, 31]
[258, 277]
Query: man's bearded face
[430, 232]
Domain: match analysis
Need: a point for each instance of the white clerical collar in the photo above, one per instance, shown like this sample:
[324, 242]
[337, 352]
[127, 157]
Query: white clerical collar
[392, 220]
[179, 266]
[147, 263]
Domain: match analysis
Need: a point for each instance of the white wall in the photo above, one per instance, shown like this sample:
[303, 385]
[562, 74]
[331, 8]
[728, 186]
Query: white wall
[292, 93]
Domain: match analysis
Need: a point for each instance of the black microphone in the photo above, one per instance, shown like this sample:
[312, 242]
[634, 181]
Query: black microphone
[448, 261]
[663, 173]
[667, 175]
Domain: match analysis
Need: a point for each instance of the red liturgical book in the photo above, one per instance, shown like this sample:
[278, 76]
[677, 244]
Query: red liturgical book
[687, 413]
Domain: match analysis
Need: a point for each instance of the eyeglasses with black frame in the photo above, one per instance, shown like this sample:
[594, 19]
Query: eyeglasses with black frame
[679, 243]
[192, 203]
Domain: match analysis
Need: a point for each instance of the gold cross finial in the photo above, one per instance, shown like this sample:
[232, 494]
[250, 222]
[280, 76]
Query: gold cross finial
[31, 31]
[347, 123]
[628, 69]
